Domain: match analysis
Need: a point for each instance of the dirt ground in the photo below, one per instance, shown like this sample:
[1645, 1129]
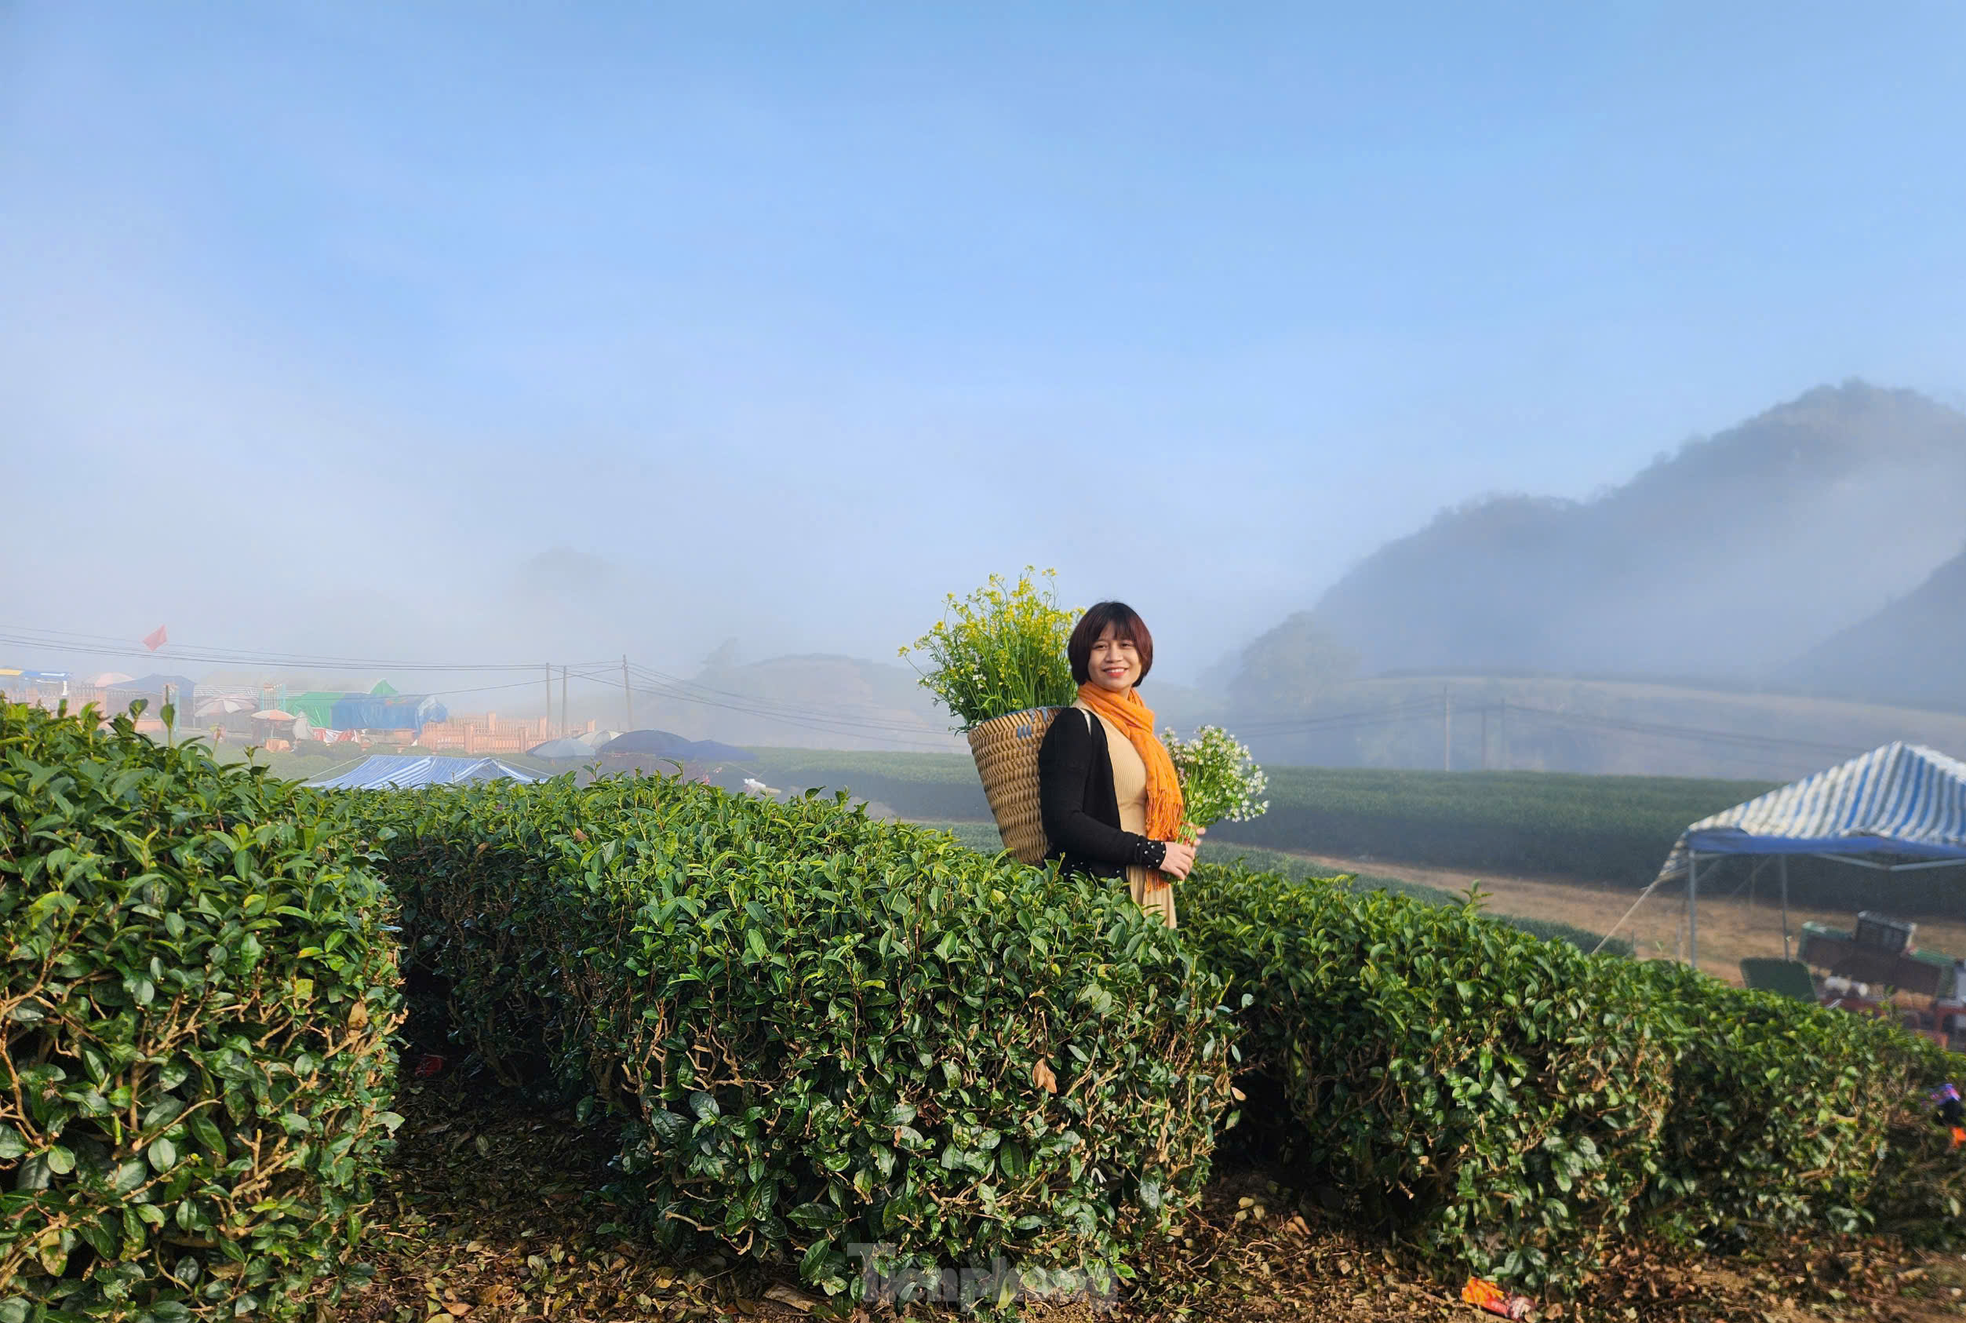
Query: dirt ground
[1731, 927]
[496, 1211]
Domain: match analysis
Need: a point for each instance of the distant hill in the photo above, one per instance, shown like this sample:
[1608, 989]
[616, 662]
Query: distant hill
[1722, 562]
[1912, 652]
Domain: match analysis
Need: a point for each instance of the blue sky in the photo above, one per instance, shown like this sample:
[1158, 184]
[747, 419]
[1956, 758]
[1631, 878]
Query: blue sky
[321, 323]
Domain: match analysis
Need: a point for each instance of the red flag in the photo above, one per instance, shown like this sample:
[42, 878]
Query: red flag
[156, 639]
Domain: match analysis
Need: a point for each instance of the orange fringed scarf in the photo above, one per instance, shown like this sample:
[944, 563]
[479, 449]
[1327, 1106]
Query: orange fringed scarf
[1136, 721]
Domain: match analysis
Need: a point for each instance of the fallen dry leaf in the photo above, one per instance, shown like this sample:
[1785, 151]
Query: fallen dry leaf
[785, 1295]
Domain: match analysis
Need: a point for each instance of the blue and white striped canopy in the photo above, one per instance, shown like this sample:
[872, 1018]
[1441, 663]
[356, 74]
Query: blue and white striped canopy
[1903, 800]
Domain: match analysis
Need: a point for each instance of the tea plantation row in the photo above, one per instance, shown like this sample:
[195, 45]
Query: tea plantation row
[825, 1032]
[1604, 828]
[1615, 829]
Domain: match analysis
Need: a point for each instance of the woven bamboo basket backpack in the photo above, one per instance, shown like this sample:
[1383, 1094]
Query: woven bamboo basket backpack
[1006, 753]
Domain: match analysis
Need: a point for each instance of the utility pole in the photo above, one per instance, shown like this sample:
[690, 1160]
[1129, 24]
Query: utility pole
[1446, 731]
[546, 723]
[627, 694]
[1692, 908]
[566, 722]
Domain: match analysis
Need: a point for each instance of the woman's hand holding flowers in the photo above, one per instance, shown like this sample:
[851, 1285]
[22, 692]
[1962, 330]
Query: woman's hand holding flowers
[1180, 859]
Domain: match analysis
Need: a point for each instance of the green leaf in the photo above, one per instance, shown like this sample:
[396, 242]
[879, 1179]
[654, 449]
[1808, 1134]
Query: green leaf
[207, 1133]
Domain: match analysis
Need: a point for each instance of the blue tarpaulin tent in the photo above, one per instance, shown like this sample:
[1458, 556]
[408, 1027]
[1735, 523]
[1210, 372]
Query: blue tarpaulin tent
[403, 771]
[1895, 809]
[385, 712]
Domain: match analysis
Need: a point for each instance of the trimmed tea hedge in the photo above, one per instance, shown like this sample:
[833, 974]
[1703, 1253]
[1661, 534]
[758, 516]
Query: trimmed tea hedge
[827, 1031]
[1506, 1104]
[1491, 1096]
[1784, 1114]
[194, 1065]
[789, 998]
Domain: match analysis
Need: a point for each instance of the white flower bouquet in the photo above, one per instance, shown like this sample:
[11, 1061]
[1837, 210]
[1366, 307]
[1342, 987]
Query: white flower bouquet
[1220, 781]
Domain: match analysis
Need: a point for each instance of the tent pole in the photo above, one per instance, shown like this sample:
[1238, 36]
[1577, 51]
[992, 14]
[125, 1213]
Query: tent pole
[1692, 921]
[1783, 860]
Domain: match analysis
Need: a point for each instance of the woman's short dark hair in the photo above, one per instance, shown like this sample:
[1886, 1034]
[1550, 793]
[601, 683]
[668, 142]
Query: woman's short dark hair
[1126, 623]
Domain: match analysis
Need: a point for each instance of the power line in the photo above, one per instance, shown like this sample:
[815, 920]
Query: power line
[1669, 731]
[1371, 716]
[898, 735]
[764, 706]
[101, 645]
[817, 719]
[1429, 709]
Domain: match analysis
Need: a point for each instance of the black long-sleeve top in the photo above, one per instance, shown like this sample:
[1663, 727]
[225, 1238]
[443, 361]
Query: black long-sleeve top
[1077, 802]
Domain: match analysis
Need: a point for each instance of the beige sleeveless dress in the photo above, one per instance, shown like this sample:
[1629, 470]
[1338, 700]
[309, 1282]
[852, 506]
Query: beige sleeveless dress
[1150, 891]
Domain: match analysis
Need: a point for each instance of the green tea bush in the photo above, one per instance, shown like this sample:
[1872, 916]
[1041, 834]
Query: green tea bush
[1506, 1103]
[194, 1060]
[1787, 1115]
[470, 874]
[1492, 1097]
[828, 1031]
[1778, 1110]
[1590, 943]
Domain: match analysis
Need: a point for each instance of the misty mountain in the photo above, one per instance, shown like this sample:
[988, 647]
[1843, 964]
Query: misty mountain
[1912, 652]
[1722, 561]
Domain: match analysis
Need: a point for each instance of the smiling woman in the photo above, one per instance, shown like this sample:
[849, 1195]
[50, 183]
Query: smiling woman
[1110, 798]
